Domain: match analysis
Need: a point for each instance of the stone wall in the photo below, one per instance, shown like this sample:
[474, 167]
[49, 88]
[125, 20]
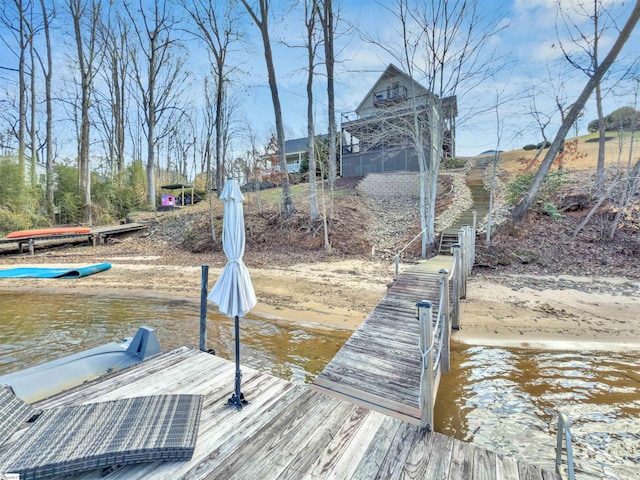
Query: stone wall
[391, 185]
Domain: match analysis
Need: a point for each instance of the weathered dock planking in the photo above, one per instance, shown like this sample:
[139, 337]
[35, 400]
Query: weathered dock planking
[379, 366]
[287, 431]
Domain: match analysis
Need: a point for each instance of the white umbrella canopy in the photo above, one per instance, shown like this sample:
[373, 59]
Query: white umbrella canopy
[233, 292]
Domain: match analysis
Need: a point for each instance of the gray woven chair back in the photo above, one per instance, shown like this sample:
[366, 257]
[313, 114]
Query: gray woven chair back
[13, 413]
[72, 439]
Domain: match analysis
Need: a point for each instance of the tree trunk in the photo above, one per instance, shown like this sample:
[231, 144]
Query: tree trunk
[492, 190]
[22, 103]
[49, 125]
[151, 125]
[329, 54]
[601, 140]
[572, 115]
[32, 130]
[262, 24]
[313, 201]
[218, 122]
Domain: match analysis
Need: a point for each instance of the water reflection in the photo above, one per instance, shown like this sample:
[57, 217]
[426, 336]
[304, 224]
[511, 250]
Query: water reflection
[507, 400]
[37, 328]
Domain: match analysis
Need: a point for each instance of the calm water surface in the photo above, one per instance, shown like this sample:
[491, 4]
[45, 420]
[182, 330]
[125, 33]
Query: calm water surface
[507, 400]
[37, 328]
[502, 399]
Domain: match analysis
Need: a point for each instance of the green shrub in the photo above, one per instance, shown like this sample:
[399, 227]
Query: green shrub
[453, 162]
[530, 146]
[548, 194]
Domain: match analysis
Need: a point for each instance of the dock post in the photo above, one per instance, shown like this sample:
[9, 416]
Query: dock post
[446, 321]
[203, 307]
[31, 246]
[397, 260]
[426, 375]
[457, 266]
[464, 252]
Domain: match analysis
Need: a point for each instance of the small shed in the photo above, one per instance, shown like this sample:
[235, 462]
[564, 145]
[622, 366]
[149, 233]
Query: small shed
[181, 198]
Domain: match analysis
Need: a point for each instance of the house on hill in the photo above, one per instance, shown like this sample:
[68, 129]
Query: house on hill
[377, 137]
[295, 152]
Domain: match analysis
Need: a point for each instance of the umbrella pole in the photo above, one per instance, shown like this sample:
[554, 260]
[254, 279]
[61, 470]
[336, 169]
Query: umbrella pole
[237, 399]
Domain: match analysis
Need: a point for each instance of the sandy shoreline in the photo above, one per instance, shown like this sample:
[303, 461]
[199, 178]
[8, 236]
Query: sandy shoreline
[568, 313]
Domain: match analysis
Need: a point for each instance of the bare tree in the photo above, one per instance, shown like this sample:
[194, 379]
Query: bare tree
[327, 19]
[209, 129]
[311, 43]
[541, 116]
[14, 18]
[47, 71]
[32, 31]
[262, 22]
[113, 33]
[574, 111]
[218, 28]
[582, 51]
[494, 169]
[86, 17]
[157, 73]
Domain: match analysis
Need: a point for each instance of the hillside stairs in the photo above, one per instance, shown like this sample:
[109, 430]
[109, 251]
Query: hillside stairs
[480, 197]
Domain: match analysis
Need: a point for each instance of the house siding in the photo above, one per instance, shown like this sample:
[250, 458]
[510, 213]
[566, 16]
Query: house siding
[404, 89]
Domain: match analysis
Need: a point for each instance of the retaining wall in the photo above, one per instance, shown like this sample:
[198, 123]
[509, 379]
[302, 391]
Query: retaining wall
[389, 185]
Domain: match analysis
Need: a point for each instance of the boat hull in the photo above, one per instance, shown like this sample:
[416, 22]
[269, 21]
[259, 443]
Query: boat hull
[45, 232]
[42, 381]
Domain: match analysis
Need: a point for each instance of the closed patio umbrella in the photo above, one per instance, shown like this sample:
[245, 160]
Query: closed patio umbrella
[233, 292]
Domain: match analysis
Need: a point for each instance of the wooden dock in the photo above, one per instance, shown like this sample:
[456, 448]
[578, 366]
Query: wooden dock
[288, 431]
[379, 366]
[97, 236]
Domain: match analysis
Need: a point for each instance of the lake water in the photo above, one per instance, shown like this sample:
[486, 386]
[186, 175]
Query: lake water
[505, 400]
[37, 328]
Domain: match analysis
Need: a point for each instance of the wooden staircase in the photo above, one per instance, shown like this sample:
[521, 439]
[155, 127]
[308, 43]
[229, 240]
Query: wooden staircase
[480, 205]
[448, 238]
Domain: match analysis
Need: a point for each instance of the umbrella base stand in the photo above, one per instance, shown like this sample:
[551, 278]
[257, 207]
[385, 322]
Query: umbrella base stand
[237, 401]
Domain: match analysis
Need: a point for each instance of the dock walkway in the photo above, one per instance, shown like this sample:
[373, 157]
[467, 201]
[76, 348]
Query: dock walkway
[96, 236]
[379, 366]
[288, 431]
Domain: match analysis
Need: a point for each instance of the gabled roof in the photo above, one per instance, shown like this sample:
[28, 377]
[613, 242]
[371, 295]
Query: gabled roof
[392, 71]
[299, 144]
[295, 145]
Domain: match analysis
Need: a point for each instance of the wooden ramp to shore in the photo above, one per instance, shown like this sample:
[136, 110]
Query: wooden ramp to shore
[288, 431]
[379, 366]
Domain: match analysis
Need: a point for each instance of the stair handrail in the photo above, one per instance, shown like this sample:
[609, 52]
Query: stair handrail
[397, 255]
[564, 432]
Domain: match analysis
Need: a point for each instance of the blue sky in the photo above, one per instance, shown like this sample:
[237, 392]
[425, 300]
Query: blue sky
[527, 45]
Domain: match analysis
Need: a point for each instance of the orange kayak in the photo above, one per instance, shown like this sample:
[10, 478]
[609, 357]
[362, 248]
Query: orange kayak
[39, 232]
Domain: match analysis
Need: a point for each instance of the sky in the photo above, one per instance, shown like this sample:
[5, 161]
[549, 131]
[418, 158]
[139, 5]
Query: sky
[493, 111]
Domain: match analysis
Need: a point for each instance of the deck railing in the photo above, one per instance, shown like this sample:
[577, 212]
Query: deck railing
[452, 288]
[564, 433]
[396, 258]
